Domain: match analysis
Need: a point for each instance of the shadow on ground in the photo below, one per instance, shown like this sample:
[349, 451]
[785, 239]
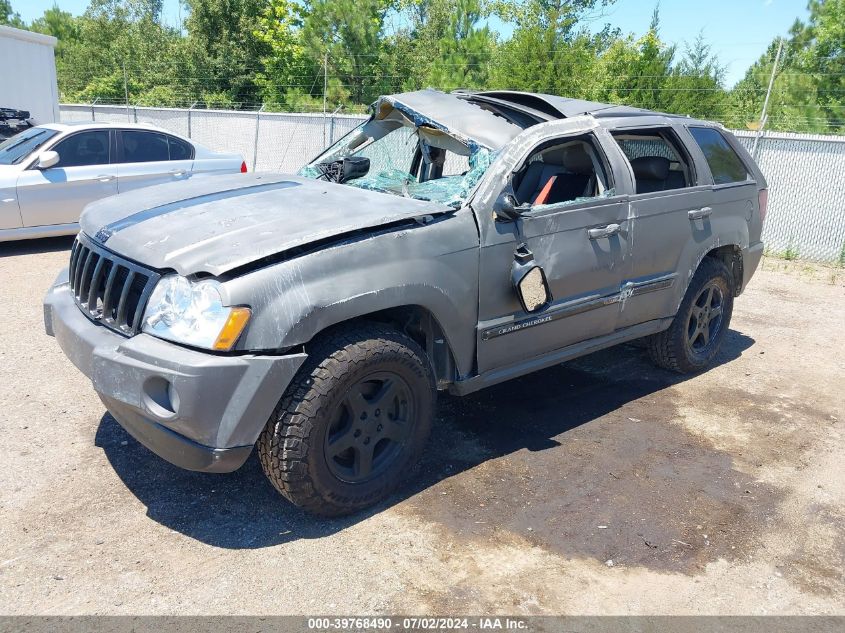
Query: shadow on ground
[34, 247]
[549, 457]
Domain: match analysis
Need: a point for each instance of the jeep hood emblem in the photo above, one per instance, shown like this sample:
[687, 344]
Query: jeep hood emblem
[102, 235]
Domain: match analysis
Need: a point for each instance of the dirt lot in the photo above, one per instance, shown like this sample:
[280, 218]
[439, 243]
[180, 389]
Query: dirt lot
[600, 486]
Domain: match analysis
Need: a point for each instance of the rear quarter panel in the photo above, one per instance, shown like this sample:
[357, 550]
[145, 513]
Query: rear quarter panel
[756, 224]
[207, 161]
[735, 220]
[216, 165]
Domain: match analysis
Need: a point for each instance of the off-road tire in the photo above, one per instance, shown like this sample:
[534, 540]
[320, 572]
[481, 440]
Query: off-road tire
[294, 446]
[671, 348]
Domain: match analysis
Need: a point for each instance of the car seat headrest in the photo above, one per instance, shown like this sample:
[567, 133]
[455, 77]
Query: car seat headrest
[577, 160]
[651, 168]
[93, 145]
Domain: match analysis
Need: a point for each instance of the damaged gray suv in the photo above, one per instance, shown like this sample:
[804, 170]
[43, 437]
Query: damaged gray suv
[451, 242]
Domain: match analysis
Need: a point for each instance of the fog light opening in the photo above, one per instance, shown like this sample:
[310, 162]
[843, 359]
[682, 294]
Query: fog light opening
[160, 397]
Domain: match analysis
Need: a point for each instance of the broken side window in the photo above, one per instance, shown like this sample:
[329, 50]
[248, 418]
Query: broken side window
[563, 172]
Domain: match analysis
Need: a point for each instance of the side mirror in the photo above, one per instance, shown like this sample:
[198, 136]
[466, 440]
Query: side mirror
[506, 208]
[354, 167]
[47, 160]
[529, 280]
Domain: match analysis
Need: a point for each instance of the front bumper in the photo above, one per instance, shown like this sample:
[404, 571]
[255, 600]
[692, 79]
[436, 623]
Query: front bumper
[197, 410]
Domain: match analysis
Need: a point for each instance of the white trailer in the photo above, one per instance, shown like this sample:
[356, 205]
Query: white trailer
[28, 74]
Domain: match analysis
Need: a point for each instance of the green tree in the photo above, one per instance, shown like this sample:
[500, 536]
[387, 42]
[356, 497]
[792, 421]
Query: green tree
[409, 53]
[549, 51]
[809, 89]
[9, 17]
[347, 36]
[225, 50]
[60, 24]
[287, 80]
[64, 27]
[638, 71]
[463, 51]
[121, 44]
[696, 84]
[825, 58]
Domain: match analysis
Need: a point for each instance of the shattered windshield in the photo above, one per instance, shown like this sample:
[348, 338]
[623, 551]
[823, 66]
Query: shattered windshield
[407, 160]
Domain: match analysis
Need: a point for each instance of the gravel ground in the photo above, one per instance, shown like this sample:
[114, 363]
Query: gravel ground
[602, 486]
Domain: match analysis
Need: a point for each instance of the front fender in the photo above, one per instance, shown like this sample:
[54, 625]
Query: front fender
[434, 266]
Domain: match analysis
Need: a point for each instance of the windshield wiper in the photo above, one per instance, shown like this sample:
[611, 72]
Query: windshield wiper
[22, 141]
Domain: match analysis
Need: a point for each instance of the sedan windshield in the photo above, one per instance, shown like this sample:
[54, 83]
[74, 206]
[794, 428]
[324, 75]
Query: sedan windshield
[407, 160]
[13, 150]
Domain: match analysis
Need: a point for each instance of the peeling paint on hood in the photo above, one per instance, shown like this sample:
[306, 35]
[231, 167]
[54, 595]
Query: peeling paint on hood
[216, 224]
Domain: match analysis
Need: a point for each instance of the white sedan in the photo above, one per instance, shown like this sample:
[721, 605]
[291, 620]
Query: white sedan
[50, 172]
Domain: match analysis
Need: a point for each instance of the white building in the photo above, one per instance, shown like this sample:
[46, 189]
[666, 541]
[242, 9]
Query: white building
[28, 74]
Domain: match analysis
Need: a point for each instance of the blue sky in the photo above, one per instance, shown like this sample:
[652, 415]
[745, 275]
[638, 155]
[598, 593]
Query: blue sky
[739, 30]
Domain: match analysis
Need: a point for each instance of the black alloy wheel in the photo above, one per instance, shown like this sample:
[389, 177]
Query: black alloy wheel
[370, 426]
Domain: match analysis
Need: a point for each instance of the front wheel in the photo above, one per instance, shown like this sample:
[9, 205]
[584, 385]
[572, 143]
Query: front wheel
[699, 327]
[353, 421]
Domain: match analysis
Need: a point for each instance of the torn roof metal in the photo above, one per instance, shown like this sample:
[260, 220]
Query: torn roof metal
[555, 107]
[452, 114]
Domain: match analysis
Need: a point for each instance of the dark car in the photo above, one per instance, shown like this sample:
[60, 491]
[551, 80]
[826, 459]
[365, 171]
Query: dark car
[451, 242]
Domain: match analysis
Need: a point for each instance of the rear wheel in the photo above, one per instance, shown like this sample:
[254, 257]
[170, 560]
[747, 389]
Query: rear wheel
[699, 327]
[353, 421]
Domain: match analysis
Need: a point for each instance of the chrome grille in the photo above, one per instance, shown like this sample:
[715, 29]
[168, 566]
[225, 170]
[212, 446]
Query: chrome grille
[109, 289]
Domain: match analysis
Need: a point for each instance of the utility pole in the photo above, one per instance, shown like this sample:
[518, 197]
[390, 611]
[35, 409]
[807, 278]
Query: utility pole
[255, 142]
[325, 88]
[763, 115]
[331, 125]
[194, 105]
[126, 91]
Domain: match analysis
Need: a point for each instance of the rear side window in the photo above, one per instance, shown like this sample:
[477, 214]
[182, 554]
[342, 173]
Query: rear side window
[179, 149]
[724, 163]
[656, 160]
[144, 147]
[83, 149]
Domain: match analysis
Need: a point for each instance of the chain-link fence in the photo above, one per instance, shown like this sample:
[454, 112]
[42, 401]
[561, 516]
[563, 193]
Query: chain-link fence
[806, 173]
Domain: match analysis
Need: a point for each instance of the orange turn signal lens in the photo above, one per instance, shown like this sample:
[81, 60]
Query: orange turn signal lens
[235, 324]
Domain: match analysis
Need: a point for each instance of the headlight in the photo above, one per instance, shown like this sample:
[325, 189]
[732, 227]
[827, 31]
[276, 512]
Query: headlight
[193, 313]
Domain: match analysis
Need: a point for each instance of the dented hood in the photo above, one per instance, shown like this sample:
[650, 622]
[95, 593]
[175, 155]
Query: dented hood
[215, 224]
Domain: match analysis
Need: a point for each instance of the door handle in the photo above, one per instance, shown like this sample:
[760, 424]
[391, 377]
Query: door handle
[605, 231]
[176, 173]
[697, 214]
[105, 178]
